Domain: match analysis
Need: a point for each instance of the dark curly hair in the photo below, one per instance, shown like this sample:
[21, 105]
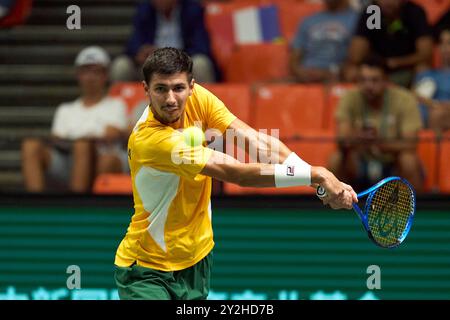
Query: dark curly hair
[167, 61]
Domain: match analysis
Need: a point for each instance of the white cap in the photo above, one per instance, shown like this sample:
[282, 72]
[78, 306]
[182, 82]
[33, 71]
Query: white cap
[92, 55]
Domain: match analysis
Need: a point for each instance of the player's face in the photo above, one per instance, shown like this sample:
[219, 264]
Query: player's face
[92, 79]
[372, 82]
[445, 47]
[168, 95]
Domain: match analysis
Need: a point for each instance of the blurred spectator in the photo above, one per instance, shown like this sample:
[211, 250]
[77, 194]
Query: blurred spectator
[404, 40]
[5, 7]
[166, 23]
[320, 46]
[433, 89]
[14, 12]
[377, 128]
[442, 24]
[359, 5]
[87, 134]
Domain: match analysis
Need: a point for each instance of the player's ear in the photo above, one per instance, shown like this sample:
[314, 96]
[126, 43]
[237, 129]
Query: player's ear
[145, 85]
[191, 86]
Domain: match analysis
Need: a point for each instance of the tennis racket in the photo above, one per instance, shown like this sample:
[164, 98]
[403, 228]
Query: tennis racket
[389, 210]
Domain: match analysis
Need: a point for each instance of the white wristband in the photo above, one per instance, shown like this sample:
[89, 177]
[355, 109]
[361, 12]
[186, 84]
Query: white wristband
[292, 175]
[302, 172]
[294, 159]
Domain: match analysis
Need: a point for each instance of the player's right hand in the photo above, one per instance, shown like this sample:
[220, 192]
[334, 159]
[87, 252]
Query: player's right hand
[339, 195]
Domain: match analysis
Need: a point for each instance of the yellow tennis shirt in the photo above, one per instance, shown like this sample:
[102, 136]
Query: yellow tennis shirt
[171, 227]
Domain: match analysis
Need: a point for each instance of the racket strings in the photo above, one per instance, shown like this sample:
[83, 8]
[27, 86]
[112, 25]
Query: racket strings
[389, 212]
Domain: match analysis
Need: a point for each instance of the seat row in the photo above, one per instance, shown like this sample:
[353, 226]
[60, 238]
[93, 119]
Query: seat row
[304, 115]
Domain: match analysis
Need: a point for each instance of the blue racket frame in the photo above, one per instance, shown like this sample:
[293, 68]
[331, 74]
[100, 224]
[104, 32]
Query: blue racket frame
[363, 214]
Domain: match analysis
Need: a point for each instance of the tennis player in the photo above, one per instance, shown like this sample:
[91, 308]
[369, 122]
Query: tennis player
[167, 251]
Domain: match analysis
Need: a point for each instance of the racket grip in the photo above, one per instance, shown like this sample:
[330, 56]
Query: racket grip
[321, 192]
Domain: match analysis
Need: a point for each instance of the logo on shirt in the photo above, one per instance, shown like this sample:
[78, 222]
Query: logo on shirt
[290, 170]
[129, 153]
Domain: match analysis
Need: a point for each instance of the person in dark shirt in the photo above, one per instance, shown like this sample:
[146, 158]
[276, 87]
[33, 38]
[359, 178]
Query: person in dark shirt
[441, 25]
[167, 23]
[404, 41]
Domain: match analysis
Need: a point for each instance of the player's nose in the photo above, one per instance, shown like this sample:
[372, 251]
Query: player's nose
[170, 100]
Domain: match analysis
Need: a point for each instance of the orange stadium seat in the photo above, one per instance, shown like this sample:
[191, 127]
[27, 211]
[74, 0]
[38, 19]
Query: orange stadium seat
[334, 94]
[236, 97]
[293, 109]
[217, 16]
[131, 92]
[113, 184]
[258, 62]
[434, 8]
[315, 147]
[292, 13]
[444, 171]
[427, 152]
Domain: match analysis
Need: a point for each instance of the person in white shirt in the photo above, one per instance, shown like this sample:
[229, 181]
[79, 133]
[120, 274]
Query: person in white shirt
[87, 137]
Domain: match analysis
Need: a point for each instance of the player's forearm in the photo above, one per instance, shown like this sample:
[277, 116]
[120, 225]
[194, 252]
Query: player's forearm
[298, 173]
[268, 148]
[258, 175]
[261, 175]
[262, 148]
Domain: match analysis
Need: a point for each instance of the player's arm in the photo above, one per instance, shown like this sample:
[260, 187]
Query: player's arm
[225, 168]
[273, 149]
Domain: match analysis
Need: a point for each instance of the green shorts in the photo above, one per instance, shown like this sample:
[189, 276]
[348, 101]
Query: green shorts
[140, 283]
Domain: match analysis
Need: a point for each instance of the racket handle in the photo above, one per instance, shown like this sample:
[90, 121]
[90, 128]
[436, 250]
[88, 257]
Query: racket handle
[321, 192]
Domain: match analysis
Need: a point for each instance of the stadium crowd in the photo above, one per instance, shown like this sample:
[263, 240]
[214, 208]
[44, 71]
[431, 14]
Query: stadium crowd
[398, 73]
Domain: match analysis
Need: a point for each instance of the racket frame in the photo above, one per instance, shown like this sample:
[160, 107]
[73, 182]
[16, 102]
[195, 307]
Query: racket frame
[371, 192]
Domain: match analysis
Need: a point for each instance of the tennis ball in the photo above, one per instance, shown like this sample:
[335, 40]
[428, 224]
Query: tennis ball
[193, 136]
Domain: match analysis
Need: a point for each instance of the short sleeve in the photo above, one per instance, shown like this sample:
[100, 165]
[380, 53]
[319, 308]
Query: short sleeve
[117, 114]
[217, 115]
[166, 150]
[59, 123]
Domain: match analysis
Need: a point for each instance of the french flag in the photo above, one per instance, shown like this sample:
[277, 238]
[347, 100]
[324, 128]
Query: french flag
[250, 25]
